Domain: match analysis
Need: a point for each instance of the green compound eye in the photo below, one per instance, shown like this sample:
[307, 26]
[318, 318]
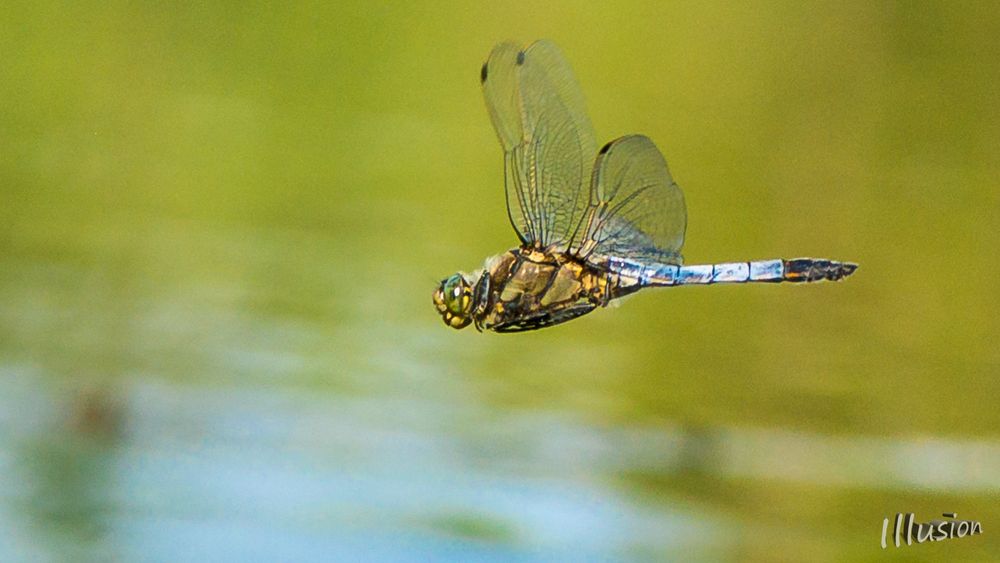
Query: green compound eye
[455, 289]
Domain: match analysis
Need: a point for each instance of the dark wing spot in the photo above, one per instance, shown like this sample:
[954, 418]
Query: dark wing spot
[605, 148]
[520, 57]
[482, 73]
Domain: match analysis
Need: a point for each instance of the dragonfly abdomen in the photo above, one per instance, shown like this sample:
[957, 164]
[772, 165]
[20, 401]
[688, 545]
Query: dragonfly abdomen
[759, 271]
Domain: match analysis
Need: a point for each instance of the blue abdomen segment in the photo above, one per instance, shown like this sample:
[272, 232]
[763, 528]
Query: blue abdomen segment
[694, 274]
[767, 270]
[734, 272]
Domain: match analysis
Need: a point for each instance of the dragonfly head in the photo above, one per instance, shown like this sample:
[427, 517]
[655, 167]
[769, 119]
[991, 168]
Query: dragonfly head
[453, 299]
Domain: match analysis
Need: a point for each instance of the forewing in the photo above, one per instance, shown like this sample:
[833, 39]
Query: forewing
[539, 115]
[636, 209]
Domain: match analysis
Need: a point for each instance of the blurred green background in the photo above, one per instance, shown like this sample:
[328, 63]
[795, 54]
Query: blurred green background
[220, 227]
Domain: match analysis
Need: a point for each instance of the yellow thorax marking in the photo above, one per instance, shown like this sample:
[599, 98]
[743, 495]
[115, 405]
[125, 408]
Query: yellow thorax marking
[537, 256]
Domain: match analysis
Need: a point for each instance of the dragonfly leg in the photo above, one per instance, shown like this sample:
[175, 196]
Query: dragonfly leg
[547, 318]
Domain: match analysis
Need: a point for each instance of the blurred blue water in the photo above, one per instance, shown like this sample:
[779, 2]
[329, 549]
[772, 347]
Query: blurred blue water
[210, 436]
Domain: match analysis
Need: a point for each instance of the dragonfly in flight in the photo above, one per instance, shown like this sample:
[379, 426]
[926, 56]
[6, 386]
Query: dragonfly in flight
[594, 224]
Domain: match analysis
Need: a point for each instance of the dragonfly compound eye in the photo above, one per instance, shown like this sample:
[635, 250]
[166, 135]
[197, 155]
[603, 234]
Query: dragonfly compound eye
[453, 300]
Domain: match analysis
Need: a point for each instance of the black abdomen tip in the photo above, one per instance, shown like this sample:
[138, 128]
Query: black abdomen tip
[482, 73]
[816, 269]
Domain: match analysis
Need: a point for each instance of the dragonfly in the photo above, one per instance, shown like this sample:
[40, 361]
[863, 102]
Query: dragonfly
[594, 224]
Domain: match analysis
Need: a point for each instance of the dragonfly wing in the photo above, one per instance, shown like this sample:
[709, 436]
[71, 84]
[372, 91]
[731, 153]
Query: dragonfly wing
[636, 209]
[539, 115]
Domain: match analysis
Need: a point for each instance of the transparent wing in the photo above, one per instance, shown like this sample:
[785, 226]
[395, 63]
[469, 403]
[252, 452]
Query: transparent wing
[636, 210]
[538, 112]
